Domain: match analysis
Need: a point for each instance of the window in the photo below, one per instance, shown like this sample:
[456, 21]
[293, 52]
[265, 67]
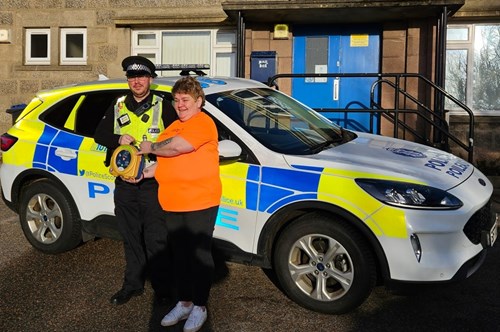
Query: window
[215, 47]
[73, 46]
[186, 47]
[225, 54]
[146, 44]
[473, 67]
[37, 47]
[317, 58]
[81, 113]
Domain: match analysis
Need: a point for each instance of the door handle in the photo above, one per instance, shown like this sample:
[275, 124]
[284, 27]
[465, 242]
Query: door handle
[336, 83]
[65, 154]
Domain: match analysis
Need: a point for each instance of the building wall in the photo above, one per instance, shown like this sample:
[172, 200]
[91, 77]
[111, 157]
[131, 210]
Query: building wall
[408, 48]
[261, 38]
[19, 83]
[107, 43]
[486, 141]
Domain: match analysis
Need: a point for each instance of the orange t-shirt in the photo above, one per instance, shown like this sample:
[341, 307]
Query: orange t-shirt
[190, 181]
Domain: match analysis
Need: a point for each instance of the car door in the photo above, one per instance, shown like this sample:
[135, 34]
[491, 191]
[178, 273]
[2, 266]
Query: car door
[71, 153]
[236, 221]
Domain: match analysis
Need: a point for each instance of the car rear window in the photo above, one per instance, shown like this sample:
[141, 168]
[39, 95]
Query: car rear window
[89, 108]
[59, 113]
[92, 109]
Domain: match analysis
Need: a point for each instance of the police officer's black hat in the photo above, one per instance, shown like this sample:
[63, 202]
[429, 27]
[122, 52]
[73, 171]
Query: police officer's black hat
[137, 65]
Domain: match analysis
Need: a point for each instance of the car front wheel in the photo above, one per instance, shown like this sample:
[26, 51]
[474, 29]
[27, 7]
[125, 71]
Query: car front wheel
[48, 219]
[324, 264]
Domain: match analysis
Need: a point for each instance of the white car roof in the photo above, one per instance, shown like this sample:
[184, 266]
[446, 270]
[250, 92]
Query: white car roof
[215, 84]
[210, 84]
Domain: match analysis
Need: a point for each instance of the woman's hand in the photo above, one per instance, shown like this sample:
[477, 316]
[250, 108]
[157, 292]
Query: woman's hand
[149, 171]
[133, 180]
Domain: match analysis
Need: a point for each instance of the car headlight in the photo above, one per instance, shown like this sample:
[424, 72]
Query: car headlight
[409, 195]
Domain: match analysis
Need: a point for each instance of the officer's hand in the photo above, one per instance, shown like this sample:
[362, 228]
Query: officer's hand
[145, 147]
[126, 139]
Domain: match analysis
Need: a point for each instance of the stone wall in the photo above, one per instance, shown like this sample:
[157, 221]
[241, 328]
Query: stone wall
[261, 38]
[107, 43]
[486, 141]
[408, 48]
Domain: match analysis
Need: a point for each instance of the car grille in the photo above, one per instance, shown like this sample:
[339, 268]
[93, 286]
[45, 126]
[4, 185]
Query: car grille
[481, 221]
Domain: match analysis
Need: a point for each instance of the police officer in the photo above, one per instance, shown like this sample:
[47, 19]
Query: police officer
[140, 114]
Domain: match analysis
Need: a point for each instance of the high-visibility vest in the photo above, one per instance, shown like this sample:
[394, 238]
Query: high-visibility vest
[149, 124]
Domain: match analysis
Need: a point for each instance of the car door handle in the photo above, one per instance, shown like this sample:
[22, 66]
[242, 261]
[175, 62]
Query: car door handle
[65, 154]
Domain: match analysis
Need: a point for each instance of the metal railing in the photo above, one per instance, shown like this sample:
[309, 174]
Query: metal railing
[397, 83]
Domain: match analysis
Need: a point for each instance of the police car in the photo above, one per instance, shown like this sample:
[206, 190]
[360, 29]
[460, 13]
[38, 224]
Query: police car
[327, 212]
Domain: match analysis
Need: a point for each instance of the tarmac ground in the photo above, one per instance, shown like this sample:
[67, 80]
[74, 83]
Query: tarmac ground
[70, 292]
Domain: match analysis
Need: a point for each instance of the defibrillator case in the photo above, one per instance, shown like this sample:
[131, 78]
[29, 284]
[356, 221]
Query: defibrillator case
[126, 163]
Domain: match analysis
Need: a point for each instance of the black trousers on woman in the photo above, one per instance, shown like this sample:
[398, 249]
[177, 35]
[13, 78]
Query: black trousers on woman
[190, 238]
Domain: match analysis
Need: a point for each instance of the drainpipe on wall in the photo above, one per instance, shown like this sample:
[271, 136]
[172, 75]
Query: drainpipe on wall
[440, 75]
[240, 47]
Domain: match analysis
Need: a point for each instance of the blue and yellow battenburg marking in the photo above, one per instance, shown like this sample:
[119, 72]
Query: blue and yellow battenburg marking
[281, 187]
[278, 187]
[48, 151]
[227, 218]
[60, 151]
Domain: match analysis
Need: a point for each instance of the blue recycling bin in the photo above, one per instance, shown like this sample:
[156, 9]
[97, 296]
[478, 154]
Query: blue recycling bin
[263, 65]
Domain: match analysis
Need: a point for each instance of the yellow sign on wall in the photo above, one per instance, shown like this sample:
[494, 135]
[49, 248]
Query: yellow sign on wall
[359, 41]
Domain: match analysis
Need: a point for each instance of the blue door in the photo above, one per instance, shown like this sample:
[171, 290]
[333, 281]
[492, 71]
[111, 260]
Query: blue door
[331, 49]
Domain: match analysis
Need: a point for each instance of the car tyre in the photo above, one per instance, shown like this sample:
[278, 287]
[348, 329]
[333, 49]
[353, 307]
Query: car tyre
[324, 264]
[48, 218]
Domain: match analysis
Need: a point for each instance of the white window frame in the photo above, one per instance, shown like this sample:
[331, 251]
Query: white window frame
[65, 60]
[216, 48]
[468, 45]
[39, 60]
[223, 48]
[146, 50]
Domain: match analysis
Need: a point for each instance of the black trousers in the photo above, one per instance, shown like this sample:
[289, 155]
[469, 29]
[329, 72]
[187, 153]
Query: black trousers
[142, 225]
[190, 237]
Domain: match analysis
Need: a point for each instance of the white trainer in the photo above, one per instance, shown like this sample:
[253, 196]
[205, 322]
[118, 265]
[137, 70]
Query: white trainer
[196, 319]
[179, 312]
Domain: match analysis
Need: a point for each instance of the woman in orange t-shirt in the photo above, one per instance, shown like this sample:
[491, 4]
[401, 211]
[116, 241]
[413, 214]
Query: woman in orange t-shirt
[190, 189]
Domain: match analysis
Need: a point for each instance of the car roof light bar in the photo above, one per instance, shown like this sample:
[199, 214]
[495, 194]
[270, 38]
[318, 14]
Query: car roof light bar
[185, 68]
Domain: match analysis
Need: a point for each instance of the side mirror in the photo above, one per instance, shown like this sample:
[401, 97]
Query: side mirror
[229, 150]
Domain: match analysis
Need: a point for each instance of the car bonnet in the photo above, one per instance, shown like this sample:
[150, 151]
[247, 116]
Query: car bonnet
[376, 156]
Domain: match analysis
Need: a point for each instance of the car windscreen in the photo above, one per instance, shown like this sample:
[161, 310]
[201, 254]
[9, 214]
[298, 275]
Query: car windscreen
[277, 121]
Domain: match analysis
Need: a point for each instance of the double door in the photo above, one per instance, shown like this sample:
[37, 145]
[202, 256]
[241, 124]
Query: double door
[343, 49]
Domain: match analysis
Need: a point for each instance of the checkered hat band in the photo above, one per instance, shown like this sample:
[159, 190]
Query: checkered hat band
[138, 67]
